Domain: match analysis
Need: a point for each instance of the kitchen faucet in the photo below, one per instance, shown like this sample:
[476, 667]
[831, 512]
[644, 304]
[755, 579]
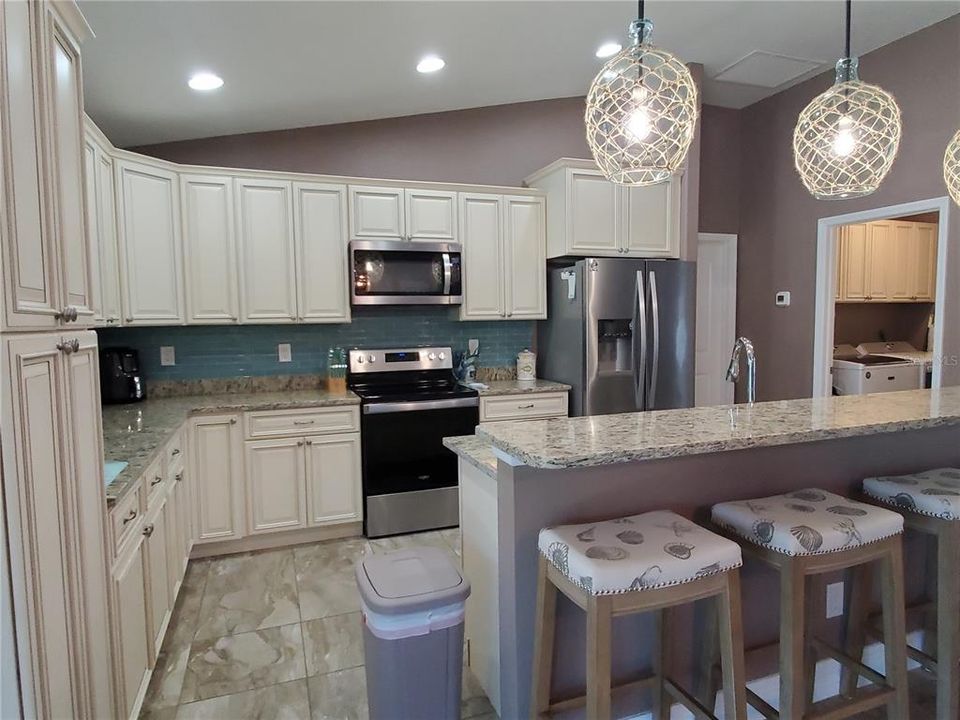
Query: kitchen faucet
[733, 371]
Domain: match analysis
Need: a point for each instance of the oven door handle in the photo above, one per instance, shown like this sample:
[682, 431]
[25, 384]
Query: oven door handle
[417, 405]
[447, 273]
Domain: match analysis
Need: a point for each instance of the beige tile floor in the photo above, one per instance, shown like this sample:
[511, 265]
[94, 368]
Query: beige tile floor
[276, 635]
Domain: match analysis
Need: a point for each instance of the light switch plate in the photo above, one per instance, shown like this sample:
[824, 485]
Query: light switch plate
[167, 355]
[283, 352]
[834, 600]
[783, 298]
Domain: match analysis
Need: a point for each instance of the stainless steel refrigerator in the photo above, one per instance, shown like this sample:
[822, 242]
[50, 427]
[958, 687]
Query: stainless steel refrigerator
[621, 333]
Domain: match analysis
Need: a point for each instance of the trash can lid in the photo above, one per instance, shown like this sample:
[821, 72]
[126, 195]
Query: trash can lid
[410, 580]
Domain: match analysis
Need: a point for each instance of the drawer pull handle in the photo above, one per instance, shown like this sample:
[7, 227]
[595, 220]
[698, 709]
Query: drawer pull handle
[303, 422]
[179, 477]
[128, 518]
[525, 407]
[148, 530]
[176, 451]
[156, 481]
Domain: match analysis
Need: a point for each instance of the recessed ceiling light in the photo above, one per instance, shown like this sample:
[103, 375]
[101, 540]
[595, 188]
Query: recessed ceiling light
[205, 81]
[430, 63]
[608, 49]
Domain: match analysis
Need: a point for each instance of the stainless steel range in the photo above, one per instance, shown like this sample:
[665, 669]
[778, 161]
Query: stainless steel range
[409, 402]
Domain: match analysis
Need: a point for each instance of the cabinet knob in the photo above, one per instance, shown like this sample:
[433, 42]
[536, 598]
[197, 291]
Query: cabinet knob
[156, 480]
[129, 319]
[176, 451]
[148, 530]
[68, 314]
[128, 518]
[179, 476]
[309, 442]
[299, 443]
[233, 421]
[69, 346]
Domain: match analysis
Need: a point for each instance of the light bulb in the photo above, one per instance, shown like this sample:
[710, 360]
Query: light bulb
[845, 141]
[638, 121]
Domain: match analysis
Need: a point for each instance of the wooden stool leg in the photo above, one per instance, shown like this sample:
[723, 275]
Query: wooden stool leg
[948, 623]
[730, 617]
[858, 615]
[543, 638]
[792, 688]
[816, 611]
[895, 631]
[661, 663]
[708, 678]
[599, 618]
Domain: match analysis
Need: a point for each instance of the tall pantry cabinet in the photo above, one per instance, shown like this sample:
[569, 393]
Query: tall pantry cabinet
[57, 623]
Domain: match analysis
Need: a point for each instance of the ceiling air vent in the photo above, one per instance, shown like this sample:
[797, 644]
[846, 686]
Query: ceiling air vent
[769, 70]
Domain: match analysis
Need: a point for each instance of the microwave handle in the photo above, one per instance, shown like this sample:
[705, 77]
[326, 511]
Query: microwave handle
[447, 273]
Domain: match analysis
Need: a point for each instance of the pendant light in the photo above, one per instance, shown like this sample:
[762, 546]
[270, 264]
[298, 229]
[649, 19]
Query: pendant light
[846, 139]
[951, 168]
[641, 111]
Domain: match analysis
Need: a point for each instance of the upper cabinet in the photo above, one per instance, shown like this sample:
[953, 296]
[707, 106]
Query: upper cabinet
[587, 215]
[887, 261]
[384, 213]
[209, 249]
[150, 244]
[320, 232]
[504, 257]
[102, 229]
[47, 275]
[265, 232]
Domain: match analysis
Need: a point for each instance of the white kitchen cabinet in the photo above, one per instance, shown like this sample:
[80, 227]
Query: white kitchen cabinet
[130, 625]
[523, 406]
[853, 262]
[524, 258]
[209, 249]
[268, 288]
[887, 261]
[587, 215]
[320, 230]
[333, 479]
[276, 497]
[52, 468]
[431, 215]
[150, 244]
[386, 213]
[159, 596]
[880, 253]
[177, 543]
[504, 264]
[102, 231]
[481, 230]
[217, 452]
[925, 263]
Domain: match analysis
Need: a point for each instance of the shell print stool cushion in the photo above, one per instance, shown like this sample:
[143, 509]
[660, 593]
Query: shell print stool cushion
[932, 492]
[640, 552]
[807, 522]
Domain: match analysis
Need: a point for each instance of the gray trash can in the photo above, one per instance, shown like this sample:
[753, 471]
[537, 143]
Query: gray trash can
[412, 602]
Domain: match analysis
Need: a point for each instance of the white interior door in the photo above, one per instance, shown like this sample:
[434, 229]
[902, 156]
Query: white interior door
[716, 316]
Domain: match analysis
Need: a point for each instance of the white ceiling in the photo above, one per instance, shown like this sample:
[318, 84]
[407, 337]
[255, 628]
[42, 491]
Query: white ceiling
[296, 64]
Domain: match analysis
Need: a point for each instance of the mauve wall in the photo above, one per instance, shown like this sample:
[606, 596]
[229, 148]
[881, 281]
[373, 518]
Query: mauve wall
[778, 218]
[720, 170]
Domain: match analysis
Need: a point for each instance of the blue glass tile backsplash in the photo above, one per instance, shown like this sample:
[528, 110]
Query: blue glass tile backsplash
[230, 351]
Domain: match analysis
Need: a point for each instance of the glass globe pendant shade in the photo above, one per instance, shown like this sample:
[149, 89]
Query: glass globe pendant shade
[641, 112]
[846, 139]
[951, 168]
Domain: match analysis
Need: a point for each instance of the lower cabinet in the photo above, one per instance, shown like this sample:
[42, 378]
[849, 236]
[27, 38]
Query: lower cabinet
[217, 448]
[524, 406]
[130, 624]
[333, 479]
[155, 554]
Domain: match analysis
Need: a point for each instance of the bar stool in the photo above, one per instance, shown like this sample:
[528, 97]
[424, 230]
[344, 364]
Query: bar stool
[641, 563]
[930, 503]
[808, 533]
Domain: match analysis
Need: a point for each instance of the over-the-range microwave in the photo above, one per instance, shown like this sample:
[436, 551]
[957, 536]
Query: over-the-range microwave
[398, 272]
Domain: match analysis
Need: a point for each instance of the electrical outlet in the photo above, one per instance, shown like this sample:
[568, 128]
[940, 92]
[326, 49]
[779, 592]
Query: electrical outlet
[834, 600]
[283, 352]
[167, 355]
[783, 298]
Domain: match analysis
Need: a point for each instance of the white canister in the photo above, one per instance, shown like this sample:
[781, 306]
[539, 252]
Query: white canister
[526, 365]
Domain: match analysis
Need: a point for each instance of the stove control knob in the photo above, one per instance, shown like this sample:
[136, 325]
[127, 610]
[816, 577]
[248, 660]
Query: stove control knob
[432, 356]
[360, 359]
[443, 356]
[371, 358]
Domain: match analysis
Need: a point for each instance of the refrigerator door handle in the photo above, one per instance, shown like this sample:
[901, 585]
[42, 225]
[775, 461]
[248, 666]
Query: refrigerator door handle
[639, 341]
[655, 315]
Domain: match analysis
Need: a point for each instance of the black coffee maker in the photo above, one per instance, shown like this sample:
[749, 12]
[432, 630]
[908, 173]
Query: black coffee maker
[120, 379]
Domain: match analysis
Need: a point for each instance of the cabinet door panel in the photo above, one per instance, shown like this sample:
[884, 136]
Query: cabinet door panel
[652, 220]
[130, 624]
[158, 575]
[150, 243]
[376, 213]
[594, 213]
[854, 248]
[525, 264]
[66, 130]
[431, 215]
[481, 228]
[925, 283]
[265, 229]
[29, 267]
[320, 227]
[209, 248]
[881, 246]
[901, 262]
[275, 484]
[109, 264]
[218, 467]
[92, 213]
[333, 479]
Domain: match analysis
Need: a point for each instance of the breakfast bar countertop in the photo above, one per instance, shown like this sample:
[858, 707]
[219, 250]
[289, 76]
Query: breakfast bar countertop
[476, 451]
[626, 437]
[135, 433]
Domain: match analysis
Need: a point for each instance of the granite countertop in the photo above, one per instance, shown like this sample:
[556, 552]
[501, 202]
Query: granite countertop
[521, 387]
[477, 451]
[136, 433]
[607, 439]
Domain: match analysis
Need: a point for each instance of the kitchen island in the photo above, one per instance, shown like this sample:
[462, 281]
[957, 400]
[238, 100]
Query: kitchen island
[585, 469]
